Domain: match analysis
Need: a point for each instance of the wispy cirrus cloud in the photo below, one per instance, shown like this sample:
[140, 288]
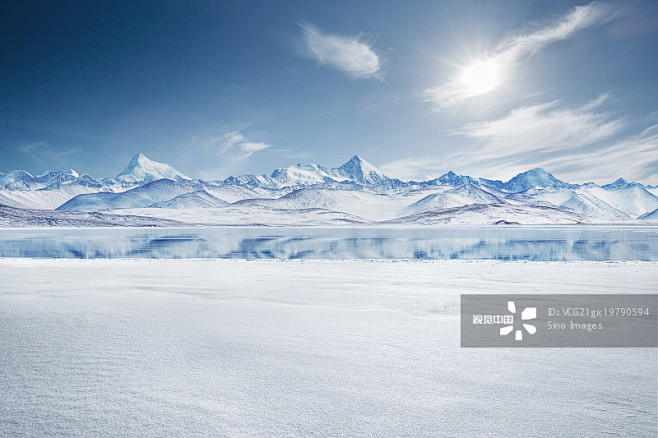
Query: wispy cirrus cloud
[415, 168]
[226, 152]
[579, 144]
[543, 128]
[481, 76]
[350, 55]
[577, 19]
[634, 158]
[42, 152]
[237, 144]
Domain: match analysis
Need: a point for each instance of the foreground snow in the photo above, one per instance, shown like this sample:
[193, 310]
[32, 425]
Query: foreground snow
[314, 348]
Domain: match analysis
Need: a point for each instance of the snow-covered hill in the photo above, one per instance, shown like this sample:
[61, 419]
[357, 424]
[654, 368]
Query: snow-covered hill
[534, 178]
[454, 197]
[490, 214]
[632, 199]
[143, 196]
[578, 200]
[365, 205]
[311, 194]
[21, 217]
[198, 199]
[44, 198]
[591, 206]
[652, 216]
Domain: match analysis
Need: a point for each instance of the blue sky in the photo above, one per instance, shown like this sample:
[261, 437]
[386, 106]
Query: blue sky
[417, 88]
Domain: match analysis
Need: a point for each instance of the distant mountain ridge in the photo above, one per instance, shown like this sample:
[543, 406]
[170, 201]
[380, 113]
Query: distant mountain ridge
[355, 192]
[356, 170]
[141, 170]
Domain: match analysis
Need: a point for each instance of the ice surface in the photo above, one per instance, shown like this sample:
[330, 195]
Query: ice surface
[470, 243]
[307, 348]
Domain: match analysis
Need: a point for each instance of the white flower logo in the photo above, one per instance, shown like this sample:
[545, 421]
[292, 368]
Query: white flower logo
[527, 314]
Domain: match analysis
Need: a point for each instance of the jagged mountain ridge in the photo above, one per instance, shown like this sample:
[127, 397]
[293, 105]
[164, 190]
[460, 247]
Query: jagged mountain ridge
[142, 170]
[356, 170]
[356, 191]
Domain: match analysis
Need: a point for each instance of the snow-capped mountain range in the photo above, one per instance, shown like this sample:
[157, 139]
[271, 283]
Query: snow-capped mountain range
[309, 194]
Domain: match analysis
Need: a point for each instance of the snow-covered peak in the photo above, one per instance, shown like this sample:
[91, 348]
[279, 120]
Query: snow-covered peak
[359, 170]
[249, 181]
[87, 181]
[533, 178]
[356, 170]
[619, 184]
[300, 174]
[60, 180]
[14, 176]
[142, 169]
[56, 177]
[451, 178]
[51, 173]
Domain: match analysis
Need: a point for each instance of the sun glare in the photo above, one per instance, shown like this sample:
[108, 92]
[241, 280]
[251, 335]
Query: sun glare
[481, 77]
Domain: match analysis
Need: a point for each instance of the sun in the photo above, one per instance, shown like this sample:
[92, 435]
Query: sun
[481, 77]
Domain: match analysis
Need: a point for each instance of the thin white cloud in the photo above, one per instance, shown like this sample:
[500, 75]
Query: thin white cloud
[634, 158]
[229, 140]
[226, 153]
[577, 144]
[542, 128]
[534, 136]
[250, 147]
[42, 152]
[349, 55]
[414, 168]
[237, 145]
[491, 70]
[579, 18]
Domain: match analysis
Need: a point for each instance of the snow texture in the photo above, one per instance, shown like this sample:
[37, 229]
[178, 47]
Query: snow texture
[200, 348]
[20, 217]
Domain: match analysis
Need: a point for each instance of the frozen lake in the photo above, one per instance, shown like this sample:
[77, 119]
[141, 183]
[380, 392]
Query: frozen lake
[538, 243]
[303, 348]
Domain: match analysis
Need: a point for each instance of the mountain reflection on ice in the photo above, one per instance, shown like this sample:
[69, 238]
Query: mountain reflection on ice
[468, 243]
